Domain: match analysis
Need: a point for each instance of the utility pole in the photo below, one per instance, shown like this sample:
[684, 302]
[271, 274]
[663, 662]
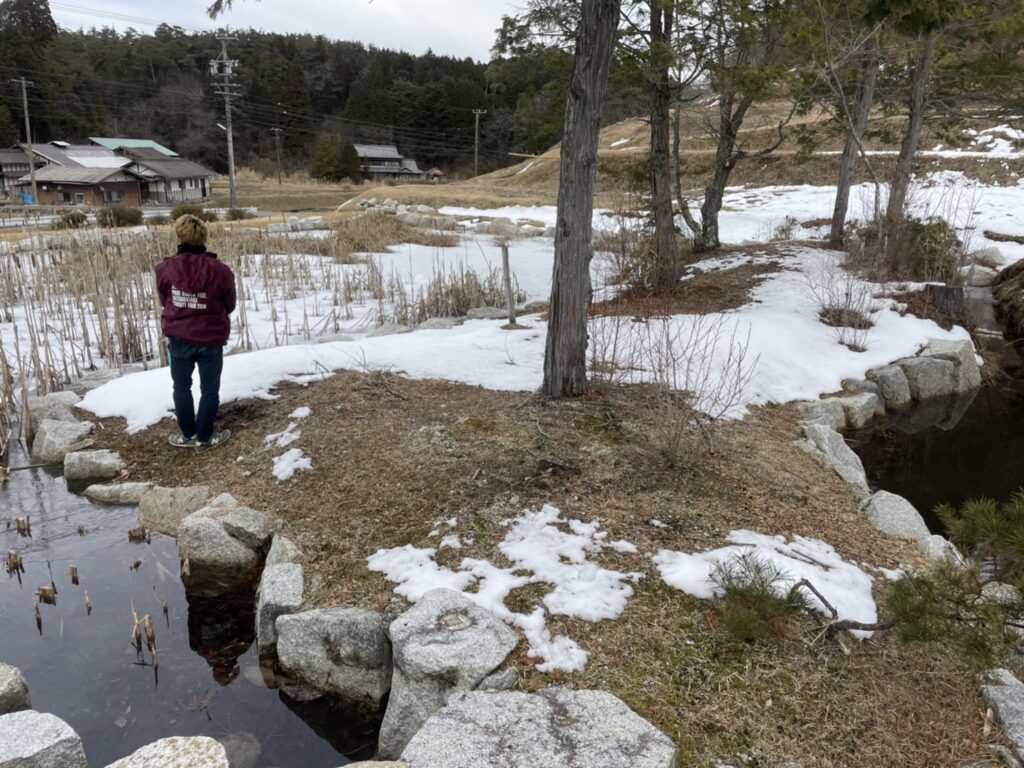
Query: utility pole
[28, 137]
[277, 140]
[222, 70]
[476, 142]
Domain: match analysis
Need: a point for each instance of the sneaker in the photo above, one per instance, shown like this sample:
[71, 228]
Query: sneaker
[215, 439]
[178, 440]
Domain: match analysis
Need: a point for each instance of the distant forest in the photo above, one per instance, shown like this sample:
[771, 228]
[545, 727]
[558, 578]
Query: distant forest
[156, 85]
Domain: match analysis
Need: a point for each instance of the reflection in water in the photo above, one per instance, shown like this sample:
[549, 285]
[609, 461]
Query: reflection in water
[221, 629]
[80, 664]
[950, 451]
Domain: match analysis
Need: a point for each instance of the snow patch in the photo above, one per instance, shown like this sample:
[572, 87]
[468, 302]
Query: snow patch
[541, 551]
[290, 462]
[843, 584]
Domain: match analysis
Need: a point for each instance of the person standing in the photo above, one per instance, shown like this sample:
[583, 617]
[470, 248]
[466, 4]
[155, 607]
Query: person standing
[197, 293]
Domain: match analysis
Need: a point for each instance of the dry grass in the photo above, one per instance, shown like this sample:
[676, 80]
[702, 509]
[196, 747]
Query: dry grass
[393, 456]
[721, 290]
[100, 295]
[297, 193]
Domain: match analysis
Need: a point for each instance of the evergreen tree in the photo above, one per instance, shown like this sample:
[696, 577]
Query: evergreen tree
[26, 31]
[349, 166]
[326, 160]
[292, 95]
[8, 128]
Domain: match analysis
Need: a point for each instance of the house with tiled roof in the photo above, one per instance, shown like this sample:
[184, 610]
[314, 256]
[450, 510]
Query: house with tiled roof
[127, 171]
[384, 161]
[167, 178]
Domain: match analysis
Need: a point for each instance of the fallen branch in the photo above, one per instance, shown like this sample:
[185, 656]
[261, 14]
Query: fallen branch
[998, 237]
[835, 624]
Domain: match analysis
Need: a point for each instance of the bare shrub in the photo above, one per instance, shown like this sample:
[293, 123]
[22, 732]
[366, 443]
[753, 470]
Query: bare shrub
[702, 367]
[631, 253]
[699, 365]
[844, 301]
[930, 244]
[112, 216]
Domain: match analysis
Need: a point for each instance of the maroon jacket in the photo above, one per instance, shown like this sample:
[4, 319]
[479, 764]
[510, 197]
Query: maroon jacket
[197, 292]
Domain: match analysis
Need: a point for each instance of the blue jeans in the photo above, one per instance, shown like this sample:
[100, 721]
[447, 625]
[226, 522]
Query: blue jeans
[185, 358]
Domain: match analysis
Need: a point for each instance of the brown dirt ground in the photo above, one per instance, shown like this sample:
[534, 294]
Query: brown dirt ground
[722, 289]
[394, 456]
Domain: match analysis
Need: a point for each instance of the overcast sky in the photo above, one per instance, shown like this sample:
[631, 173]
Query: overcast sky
[455, 27]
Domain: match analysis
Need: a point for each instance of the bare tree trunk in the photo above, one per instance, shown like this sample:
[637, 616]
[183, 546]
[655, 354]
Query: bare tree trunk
[565, 356]
[725, 161]
[684, 207]
[858, 123]
[912, 138]
[661, 165]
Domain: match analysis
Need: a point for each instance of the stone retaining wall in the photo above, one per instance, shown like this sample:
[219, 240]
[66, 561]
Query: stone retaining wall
[942, 372]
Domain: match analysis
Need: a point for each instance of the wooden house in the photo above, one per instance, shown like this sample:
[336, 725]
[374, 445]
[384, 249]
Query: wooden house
[384, 161]
[167, 178]
[14, 164]
[58, 185]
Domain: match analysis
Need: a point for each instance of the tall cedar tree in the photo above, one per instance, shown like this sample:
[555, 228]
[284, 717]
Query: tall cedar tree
[349, 166]
[293, 101]
[565, 356]
[26, 30]
[326, 160]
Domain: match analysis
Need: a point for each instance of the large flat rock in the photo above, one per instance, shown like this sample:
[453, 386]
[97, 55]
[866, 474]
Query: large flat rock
[125, 494]
[284, 550]
[55, 439]
[218, 561]
[344, 651]
[896, 516]
[892, 385]
[84, 466]
[961, 353]
[56, 405]
[839, 457]
[861, 409]
[31, 739]
[162, 509]
[280, 593]
[551, 729]
[929, 377]
[444, 644]
[177, 752]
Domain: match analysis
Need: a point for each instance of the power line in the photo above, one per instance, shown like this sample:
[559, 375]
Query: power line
[271, 113]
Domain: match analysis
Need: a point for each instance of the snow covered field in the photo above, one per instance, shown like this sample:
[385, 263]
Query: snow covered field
[797, 357]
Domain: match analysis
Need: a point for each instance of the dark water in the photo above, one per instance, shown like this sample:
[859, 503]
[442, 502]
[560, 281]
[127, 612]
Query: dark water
[950, 452]
[82, 668]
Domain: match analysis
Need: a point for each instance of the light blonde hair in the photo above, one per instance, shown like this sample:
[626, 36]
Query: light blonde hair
[190, 230]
